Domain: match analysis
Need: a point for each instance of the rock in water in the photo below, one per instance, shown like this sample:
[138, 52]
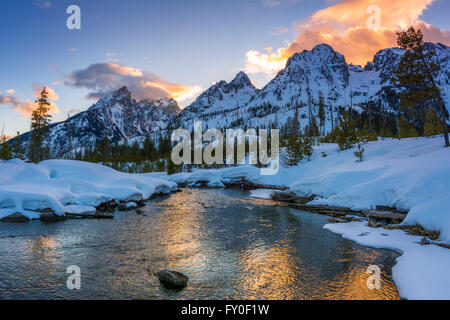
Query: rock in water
[172, 279]
[15, 217]
[51, 217]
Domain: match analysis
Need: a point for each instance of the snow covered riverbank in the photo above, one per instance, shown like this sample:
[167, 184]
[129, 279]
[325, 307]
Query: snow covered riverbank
[411, 175]
[69, 186]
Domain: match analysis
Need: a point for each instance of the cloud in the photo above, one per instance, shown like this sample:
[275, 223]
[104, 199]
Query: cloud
[270, 3]
[10, 91]
[103, 78]
[37, 89]
[279, 30]
[344, 26]
[42, 4]
[26, 107]
[112, 57]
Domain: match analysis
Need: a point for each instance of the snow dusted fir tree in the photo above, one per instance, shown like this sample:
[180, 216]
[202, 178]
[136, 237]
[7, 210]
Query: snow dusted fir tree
[361, 139]
[346, 133]
[5, 149]
[40, 119]
[433, 126]
[416, 74]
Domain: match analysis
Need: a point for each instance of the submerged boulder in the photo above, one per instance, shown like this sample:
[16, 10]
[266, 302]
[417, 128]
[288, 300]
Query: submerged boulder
[16, 217]
[172, 279]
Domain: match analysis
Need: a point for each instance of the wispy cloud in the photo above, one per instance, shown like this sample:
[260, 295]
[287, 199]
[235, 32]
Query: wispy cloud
[270, 3]
[10, 91]
[279, 30]
[112, 57]
[42, 4]
[343, 25]
[103, 78]
[25, 108]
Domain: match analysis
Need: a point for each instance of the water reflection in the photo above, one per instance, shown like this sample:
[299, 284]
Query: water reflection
[231, 247]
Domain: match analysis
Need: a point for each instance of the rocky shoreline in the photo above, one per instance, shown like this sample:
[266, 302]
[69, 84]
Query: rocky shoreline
[103, 211]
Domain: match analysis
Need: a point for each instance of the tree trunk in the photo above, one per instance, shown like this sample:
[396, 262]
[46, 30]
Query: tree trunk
[444, 123]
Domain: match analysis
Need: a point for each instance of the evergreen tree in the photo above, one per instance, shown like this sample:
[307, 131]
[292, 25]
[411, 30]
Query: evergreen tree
[346, 134]
[322, 117]
[416, 73]
[171, 167]
[432, 124]
[296, 148]
[5, 149]
[40, 119]
[17, 150]
[406, 130]
[361, 139]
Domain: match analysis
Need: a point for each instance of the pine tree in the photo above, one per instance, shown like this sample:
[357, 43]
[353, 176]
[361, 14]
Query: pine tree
[40, 119]
[361, 139]
[404, 127]
[296, 148]
[416, 73]
[5, 149]
[432, 124]
[346, 134]
[17, 150]
[322, 117]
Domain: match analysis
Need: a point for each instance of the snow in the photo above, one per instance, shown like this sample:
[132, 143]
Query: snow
[79, 209]
[408, 174]
[262, 193]
[130, 205]
[421, 272]
[69, 186]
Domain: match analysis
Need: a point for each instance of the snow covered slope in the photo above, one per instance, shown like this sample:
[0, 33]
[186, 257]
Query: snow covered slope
[309, 76]
[65, 185]
[214, 105]
[410, 174]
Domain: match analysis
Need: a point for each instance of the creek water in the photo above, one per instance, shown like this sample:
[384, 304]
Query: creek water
[230, 245]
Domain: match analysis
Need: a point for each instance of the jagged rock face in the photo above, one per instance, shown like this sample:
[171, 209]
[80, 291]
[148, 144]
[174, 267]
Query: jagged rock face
[308, 77]
[218, 100]
[116, 117]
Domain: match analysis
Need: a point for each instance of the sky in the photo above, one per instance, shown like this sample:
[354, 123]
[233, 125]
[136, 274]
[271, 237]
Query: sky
[178, 48]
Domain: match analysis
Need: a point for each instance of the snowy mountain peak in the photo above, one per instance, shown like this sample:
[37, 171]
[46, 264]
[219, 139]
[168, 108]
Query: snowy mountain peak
[321, 52]
[121, 93]
[122, 96]
[241, 80]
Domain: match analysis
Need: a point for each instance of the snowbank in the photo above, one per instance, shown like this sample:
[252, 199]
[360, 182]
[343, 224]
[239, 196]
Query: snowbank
[421, 272]
[410, 174]
[69, 186]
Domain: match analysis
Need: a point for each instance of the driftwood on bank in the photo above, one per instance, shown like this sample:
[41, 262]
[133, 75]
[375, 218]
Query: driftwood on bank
[247, 185]
[298, 202]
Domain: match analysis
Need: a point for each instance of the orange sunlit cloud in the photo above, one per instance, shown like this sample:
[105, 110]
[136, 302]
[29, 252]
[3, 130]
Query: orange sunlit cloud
[25, 108]
[178, 92]
[346, 27]
[103, 78]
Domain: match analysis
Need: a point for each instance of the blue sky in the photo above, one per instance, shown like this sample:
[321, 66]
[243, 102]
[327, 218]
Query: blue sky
[191, 42]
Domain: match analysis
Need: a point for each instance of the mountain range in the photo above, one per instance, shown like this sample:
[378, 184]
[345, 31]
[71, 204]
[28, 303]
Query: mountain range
[308, 77]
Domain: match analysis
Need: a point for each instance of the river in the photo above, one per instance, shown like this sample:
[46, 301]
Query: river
[230, 245]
